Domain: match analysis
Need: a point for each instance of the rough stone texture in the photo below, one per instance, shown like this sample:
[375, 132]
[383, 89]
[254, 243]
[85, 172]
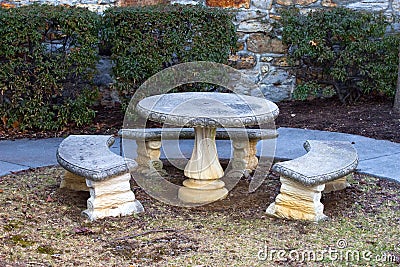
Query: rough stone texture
[192, 195]
[229, 3]
[368, 5]
[246, 15]
[295, 2]
[298, 202]
[262, 43]
[254, 26]
[262, 4]
[276, 93]
[242, 61]
[112, 197]
[328, 3]
[124, 3]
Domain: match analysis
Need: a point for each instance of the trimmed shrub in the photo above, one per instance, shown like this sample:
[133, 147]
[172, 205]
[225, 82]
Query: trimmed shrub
[145, 40]
[342, 49]
[47, 60]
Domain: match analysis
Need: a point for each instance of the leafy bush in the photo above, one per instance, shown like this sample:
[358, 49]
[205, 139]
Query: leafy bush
[47, 59]
[145, 40]
[344, 49]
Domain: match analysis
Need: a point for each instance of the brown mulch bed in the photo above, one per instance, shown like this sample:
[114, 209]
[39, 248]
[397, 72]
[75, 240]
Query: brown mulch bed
[371, 117]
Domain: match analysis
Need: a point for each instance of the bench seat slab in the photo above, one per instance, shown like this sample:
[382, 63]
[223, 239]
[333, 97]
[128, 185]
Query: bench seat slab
[111, 197]
[298, 202]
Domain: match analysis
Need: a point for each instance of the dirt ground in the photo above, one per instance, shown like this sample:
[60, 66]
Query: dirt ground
[41, 225]
[371, 117]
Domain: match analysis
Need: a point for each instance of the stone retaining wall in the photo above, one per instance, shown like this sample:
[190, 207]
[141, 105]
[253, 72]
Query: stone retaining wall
[261, 56]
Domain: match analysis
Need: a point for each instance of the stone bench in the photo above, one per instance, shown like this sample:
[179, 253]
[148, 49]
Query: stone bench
[90, 164]
[325, 166]
[148, 142]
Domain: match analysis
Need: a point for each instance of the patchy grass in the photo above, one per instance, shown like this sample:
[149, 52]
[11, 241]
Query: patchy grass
[40, 225]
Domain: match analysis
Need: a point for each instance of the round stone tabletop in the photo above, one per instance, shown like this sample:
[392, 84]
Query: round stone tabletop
[205, 109]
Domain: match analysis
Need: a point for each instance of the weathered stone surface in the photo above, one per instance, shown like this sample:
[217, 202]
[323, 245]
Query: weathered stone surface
[194, 109]
[276, 93]
[254, 26]
[295, 2]
[89, 156]
[262, 4]
[242, 16]
[112, 197]
[242, 61]
[142, 2]
[298, 202]
[266, 59]
[262, 43]
[277, 77]
[328, 3]
[245, 151]
[185, 2]
[325, 161]
[191, 195]
[368, 5]
[229, 3]
[281, 62]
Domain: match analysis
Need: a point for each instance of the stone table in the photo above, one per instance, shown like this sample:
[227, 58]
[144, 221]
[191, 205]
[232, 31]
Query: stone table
[205, 112]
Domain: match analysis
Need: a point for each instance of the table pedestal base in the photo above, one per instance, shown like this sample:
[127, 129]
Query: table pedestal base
[204, 170]
[204, 163]
[190, 195]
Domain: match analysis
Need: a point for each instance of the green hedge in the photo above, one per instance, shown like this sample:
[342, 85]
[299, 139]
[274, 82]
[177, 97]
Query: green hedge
[145, 40]
[47, 60]
[341, 49]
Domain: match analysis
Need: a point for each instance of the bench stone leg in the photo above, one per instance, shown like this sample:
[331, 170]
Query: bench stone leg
[298, 202]
[338, 184]
[111, 197]
[245, 151]
[148, 157]
[73, 182]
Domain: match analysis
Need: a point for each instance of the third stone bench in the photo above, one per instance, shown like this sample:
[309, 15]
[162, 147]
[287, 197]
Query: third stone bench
[325, 166]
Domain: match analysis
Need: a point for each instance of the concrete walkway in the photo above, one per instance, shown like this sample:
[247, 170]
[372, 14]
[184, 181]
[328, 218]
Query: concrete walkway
[378, 158]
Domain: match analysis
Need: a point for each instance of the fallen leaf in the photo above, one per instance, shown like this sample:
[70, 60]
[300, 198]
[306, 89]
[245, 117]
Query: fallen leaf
[82, 231]
[49, 199]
